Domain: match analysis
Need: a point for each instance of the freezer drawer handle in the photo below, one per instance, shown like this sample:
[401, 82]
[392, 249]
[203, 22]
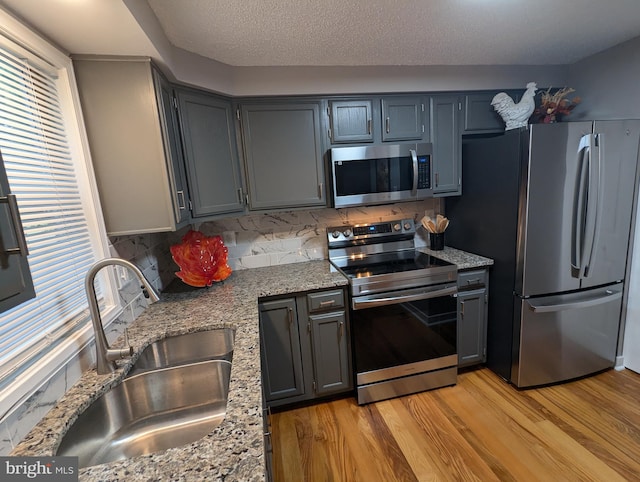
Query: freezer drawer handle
[598, 300]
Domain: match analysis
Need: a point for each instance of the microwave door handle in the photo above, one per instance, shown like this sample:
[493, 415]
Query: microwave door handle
[414, 158]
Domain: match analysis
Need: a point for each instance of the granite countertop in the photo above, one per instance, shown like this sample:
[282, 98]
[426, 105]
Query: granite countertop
[460, 258]
[233, 451]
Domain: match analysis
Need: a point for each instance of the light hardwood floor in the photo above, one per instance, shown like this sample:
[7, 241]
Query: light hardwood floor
[482, 429]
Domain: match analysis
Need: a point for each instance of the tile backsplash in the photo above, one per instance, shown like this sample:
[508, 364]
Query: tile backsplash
[267, 239]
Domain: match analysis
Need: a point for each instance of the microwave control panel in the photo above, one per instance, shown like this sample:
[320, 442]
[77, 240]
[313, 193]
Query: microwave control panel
[424, 172]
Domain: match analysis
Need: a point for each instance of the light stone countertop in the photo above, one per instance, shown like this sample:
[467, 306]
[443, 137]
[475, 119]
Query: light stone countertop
[462, 259]
[233, 451]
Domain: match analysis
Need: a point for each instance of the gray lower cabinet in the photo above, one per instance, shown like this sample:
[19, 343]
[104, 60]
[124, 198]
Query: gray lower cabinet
[16, 284]
[446, 137]
[479, 115]
[135, 152]
[472, 316]
[211, 154]
[283, 154]
[280, 350]
[305, 347]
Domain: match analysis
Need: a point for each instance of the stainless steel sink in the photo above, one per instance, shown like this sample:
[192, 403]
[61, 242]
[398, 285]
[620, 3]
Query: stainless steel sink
[188, 348]
[175, 394]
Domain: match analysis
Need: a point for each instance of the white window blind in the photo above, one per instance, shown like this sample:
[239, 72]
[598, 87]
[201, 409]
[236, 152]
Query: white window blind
[42, 175]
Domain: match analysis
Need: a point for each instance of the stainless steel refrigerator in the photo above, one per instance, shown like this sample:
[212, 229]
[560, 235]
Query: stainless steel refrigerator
[552, 204]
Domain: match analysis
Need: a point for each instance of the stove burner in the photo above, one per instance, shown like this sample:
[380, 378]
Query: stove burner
[387, 263]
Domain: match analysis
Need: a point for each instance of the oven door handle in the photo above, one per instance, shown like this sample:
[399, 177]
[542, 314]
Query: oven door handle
[413, 295]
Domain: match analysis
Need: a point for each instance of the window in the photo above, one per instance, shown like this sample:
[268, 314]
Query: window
[43, 157]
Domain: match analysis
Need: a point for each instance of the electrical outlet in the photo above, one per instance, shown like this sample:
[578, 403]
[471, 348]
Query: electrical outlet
[122, 275]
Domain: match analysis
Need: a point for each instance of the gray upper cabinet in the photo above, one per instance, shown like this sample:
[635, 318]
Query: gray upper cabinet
[213, 166]
[127, 120]
[173, 147]
[403, 118]
[350, 121]
[16, 285]
[283, 154]
[479, 115]
[446, 137]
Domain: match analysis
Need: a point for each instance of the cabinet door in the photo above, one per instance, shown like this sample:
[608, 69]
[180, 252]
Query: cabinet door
[283, 153]
[447, 145]
[16, 285]
[472, 327]
[479, 115]
[282, 374]
[351, 121]
[173, 148]
[211, 153]
[121, 110]
[330, 352]
[402, 118]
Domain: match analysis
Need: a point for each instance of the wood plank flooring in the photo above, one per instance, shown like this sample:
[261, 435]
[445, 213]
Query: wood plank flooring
[482, 429]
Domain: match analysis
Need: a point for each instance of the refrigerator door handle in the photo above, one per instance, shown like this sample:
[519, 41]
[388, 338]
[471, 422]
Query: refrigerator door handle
[594, 202]
[580, 205]
[538, 306]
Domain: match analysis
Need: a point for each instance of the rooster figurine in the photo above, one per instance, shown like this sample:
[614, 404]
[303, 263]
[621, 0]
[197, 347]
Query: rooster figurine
[515, 115]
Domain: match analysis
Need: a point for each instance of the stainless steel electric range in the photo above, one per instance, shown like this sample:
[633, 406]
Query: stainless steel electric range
[403, 309]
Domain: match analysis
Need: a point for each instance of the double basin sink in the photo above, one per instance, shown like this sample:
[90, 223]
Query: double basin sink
[174, 394]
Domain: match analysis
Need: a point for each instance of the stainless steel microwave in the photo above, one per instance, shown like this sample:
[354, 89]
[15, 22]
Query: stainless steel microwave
[365, 175]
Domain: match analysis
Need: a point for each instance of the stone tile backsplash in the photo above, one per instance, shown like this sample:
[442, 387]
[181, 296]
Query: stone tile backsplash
[267, 239]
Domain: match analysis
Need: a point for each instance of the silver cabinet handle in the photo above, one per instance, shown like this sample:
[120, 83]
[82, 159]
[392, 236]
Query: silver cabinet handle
[22, 249]
[181, 203]
[327, 303]
[388, 125]
[369, 127]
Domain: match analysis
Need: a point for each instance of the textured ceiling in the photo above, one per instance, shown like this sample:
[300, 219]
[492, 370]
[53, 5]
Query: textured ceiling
[397, 32]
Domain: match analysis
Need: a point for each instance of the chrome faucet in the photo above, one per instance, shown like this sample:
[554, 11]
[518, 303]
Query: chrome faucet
[106, 356]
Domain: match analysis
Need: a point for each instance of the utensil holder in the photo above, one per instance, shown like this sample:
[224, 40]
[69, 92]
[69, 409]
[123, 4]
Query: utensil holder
[436, 241]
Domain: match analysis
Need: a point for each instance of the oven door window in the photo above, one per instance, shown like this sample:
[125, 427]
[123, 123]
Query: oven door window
[404, 333]
[369, 176]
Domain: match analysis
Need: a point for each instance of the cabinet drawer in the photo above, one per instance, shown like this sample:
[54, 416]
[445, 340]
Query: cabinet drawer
[325, 300]
[471, 279]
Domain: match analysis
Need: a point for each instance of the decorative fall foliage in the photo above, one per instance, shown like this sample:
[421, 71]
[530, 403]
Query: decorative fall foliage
[202, 259]
[556, 104]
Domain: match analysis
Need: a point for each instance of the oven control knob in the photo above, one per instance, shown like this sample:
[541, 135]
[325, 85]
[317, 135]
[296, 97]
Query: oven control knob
[397, 227]
[336, 234]
[407, 226]
[347, 233]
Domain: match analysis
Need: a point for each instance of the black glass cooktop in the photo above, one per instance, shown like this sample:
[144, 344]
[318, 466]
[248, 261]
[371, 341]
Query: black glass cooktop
[388, 263]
